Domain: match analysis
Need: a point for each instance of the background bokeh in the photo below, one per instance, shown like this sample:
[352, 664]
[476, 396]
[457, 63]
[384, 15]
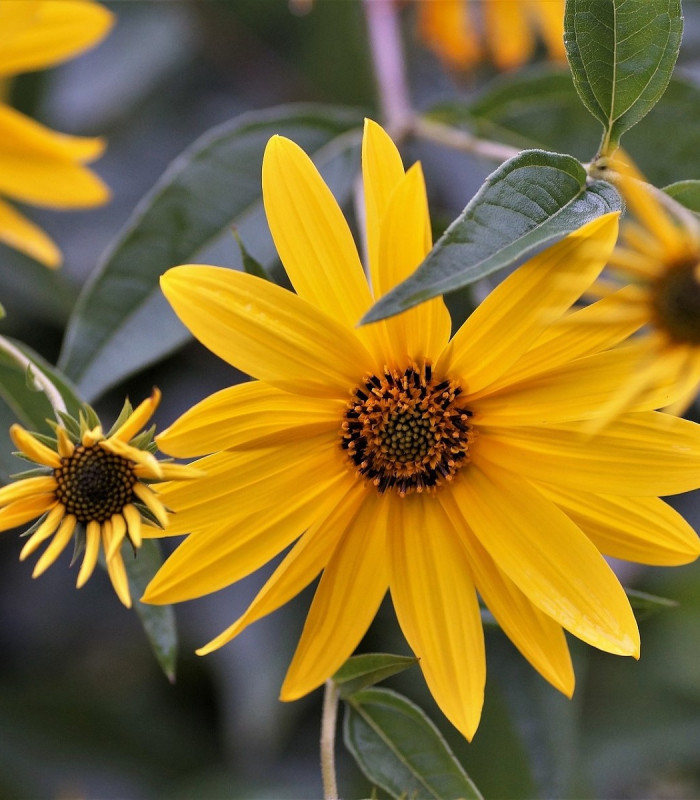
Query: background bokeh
[85, 711]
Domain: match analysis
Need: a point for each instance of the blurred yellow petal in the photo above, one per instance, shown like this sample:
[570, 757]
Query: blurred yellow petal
[448, 28]
[506, 29]
[18, 232]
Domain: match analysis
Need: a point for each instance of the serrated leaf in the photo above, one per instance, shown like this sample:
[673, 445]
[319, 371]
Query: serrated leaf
[687, 193]
[530, 201]
[158, 621]
[622, 54]
[366, 669]
[207, 189]
[400, 750]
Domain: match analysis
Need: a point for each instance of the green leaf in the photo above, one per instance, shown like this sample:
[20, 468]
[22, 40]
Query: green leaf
[645, 605]
[158, 621]
[687, 193]
[622, 54]
[530, 201]
[367, 669]
[213, 185]
[251, 265]
[399, 749]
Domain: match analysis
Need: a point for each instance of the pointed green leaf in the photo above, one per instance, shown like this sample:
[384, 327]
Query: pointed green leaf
[687, 193]
[366, 669]
[158, 621]
[530, 201]
[399, 749]
[622, 54]
[645, 605]
[121, 322]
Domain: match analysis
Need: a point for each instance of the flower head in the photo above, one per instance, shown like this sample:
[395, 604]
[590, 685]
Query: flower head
[37, 165]
[658, 258]
[393, 457]
[92, 485]
[459, 30]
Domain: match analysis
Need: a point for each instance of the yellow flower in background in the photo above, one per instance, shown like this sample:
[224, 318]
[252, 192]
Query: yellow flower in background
[40, 166]
[659, 253]
[463, 32]
[92, 485]
[393, 457]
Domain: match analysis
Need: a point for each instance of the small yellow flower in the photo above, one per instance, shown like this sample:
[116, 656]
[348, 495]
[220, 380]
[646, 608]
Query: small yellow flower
[94, 485]
[460, 30]
[37, 165]
[658, 257]
[394, 457]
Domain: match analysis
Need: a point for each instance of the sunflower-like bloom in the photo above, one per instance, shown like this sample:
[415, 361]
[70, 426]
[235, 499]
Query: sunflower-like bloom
[91, 485]
[394, 457]
[459, 30]
[659, 254]
[37, 165]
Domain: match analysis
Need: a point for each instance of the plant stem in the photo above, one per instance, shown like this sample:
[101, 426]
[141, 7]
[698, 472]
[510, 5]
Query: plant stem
[461, 140]
[328, 724]
[40, 379]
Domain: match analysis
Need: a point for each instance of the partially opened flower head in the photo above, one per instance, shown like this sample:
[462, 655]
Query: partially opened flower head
[89, 486]
[463, 32]
[393, 457]
[658, 257]
[40, 166]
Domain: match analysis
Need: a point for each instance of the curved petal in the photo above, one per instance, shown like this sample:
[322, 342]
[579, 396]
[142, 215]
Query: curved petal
[33, 448]
[21, 511]
[404, 241]
[18, 232]
[311, 234]
[115, 568]
[300, 566]
[641, 529]
[92, 551]
[435, 601]
[548, 558]
[38, 35]
[245, 414]
[266, 331]
[45, 530]
[347, 598]
[56, 545]
[515, 314]
[27, 487]
[644, 454]
[538, 637]
[138, 418]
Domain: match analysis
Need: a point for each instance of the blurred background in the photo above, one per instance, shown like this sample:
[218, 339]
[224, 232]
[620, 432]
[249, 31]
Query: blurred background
[84, 709]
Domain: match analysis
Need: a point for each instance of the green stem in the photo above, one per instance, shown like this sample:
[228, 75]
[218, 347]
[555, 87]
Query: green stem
[41, 380]
[329, 717]
[461, 140]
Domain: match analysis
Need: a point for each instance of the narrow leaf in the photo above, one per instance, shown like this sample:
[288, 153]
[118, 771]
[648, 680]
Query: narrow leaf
[645, 605]
[400, 750]
[530, 201]
[622, 54]
[687, 193]
[121, 322]
[367, 669]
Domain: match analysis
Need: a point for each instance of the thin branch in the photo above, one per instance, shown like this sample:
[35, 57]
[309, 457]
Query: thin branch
[328, 724]
[461, 140]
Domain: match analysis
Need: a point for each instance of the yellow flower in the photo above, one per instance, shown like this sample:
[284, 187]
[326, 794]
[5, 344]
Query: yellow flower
[459, 30]
[659, 255]
[37, 165]
[396, 458]
[90, 484]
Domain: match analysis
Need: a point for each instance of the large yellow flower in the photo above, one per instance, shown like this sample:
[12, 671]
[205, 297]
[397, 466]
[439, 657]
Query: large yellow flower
[396, 458]
[37, 165]
[92, 485]
[659, 253]
[460, 30]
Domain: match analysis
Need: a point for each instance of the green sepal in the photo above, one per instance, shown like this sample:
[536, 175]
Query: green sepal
[250, 265]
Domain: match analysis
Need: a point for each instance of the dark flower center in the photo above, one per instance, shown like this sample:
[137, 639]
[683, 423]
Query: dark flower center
[676, 302]
[94, 484]
[405, 431]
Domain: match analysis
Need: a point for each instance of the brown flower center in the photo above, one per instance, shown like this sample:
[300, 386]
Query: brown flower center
[94, 484]
[405, 431]
[676, 302]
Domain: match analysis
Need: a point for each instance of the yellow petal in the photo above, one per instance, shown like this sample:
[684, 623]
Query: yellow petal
[33, 448]
[27, 488]
[641, 529]
[131, 519]
[538, 637]
[266, 331]
[92, 551]
[245, 413]
[56, 546]
[116, 571]
[20, 511]
[152, 503]
[43, 532]
[644, 454]
[347, 598]
[138, 419]
[435, 601]
[513, 316]
[18, 232]
[46, 33]
[509, 37]
[448, 28]
[312, 237]
[550, 17]
[548, 558]
[149, 465]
